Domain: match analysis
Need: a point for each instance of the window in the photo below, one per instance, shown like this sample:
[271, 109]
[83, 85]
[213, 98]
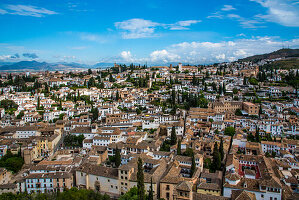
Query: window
[262, 195]
[108, 180]
[167, 187]
[111, 186]
[167, 194]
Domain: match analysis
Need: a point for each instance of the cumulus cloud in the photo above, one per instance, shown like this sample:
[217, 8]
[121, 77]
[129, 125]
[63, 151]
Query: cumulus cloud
[282, 12]
[30, 55]
[141, 28]
[127, 56]
[15, 56]
[210, 52]
[26, 10]
[228, 8]
[163, 56]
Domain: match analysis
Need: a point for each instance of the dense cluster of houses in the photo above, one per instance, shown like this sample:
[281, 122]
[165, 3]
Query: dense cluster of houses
[115, 114]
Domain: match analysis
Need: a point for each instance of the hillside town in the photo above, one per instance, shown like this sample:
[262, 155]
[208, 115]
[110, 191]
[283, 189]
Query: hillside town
[178, 132]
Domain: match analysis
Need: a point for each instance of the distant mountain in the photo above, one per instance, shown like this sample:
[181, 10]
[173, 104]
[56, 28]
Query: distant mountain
[276, 54]
[26, 65]
[103, 65]
[39, 66]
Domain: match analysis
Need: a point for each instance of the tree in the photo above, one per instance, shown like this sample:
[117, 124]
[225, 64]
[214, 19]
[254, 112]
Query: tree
[179, 151]
[260, 110]
[20, 115]
[117, 157]
[173, 138]
[257, 135]
[238, 112]
[244, 80]
[193, 166]
[224, 88]
[132, 194]
[95, 114]
[111, 79]
[38, 103]
[220, 89]
[117, 96]
[151, 192]
[235, 91]
[189, 152]
[216, 164]
[229, 131]
[140, 180]
[221, 151]
[89, 71]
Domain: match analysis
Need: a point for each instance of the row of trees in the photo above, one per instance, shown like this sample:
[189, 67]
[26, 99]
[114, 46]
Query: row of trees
[188, 100]
[73, 140]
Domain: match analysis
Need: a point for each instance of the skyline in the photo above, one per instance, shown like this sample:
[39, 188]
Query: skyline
[156, 32]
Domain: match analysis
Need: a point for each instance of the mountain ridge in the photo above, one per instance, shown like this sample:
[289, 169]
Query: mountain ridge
[273, 55]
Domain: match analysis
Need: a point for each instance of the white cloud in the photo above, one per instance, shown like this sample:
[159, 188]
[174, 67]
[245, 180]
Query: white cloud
[3, 11]
[141, 28]
[241, 35]
[163, 56]
[5, 57]
[127, 56]
[228, 8]
[217, 15]
[210, 52]
[183, 25]
[246, 23]
[26, 10]
[282, 12]
[137, 28]
[221, 57]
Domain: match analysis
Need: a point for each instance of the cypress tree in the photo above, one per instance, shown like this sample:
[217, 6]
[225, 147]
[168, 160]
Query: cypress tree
[38, 103]
[151, 192]
[257, 134]
[117, 96]
[221, 151]
[140, 180]
[173, 138]
[117, 157]
[260, 110]
[216, 164]
[179, 151]
[220, 89]
[193, 165]
[244, 80]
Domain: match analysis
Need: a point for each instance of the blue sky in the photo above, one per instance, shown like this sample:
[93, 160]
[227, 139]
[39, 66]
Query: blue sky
[139, 31]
